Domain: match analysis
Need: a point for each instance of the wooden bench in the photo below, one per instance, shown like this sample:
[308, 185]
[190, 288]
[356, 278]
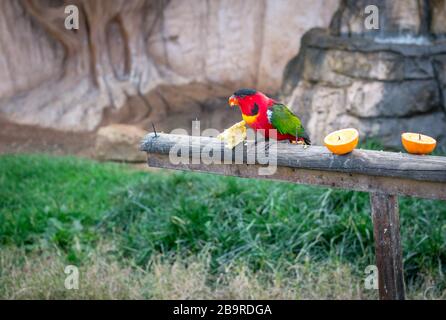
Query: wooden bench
[386, 175]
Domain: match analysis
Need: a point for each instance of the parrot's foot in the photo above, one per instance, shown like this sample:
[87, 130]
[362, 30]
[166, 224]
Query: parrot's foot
[300, 142]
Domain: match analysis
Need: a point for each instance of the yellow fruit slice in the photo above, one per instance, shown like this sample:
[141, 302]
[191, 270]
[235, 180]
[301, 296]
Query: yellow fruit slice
[342, 141]
[233, 135]
[417, 143]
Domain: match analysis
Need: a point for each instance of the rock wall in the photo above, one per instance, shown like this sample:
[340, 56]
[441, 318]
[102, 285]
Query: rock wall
[383, 82]
[142, 61]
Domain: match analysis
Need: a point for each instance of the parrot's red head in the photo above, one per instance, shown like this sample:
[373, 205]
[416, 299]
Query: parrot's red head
[253, 104]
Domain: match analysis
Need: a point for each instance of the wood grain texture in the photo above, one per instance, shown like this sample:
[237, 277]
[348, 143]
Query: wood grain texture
[389, 261]
[316, 160]
[354, 181]
[384, 174]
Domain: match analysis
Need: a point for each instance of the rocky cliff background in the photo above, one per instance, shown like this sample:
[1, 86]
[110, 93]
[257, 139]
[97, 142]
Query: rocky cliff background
[143, 61]
[383, 82]
[171, 62]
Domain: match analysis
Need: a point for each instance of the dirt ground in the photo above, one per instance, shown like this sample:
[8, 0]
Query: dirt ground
[16, 138]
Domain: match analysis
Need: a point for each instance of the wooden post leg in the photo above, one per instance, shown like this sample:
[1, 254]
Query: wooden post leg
[386, 229]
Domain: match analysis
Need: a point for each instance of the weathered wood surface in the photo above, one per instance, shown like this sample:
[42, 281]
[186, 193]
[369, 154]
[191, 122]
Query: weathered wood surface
[384, 174]
[356, 182]
[389, 261]
[362, 170]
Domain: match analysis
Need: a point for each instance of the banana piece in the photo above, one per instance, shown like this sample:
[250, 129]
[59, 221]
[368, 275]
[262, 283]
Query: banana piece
[233, 135]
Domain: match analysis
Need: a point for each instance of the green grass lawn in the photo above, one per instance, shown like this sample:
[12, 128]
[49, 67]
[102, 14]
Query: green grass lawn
[182, 235]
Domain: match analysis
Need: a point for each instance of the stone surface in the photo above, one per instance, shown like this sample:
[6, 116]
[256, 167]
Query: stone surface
[366, 99]
[396, 18]
[143, 61]
[171, 62]
[440, 74]
[345, 79]
[119, 142]
[438, 17]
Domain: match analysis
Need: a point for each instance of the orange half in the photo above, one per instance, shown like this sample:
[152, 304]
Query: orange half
[342, 141]
[417, 143]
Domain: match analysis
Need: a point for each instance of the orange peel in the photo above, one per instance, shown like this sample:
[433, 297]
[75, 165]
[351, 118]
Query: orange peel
[342, 141]
[417, 143]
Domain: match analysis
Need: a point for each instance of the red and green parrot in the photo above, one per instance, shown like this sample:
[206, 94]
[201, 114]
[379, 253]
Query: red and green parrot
[261, 112]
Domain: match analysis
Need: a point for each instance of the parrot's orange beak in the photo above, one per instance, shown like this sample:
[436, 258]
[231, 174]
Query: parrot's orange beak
[233, 101]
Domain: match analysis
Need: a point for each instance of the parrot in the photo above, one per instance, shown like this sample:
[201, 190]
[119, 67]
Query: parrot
[261, 112]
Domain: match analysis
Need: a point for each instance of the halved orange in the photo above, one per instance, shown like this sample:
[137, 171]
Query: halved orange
[342, 141]
[417, 143]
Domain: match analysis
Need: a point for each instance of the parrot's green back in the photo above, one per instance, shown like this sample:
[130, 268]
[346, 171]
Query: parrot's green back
[285, 121]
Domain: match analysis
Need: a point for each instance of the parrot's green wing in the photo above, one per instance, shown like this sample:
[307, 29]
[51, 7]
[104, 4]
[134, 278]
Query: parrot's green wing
[286, 122]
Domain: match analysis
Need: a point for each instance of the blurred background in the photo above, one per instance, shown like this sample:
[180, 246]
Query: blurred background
[171, 62]
[95, 91]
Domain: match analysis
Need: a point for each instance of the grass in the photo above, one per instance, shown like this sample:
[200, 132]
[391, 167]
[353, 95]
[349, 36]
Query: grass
[39, 275]
[183, 235]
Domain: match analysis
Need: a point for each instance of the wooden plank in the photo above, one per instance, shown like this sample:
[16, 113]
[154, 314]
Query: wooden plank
[353, 181]
[384, 174]
[360, 171]
[389, 261]
[365, 162]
